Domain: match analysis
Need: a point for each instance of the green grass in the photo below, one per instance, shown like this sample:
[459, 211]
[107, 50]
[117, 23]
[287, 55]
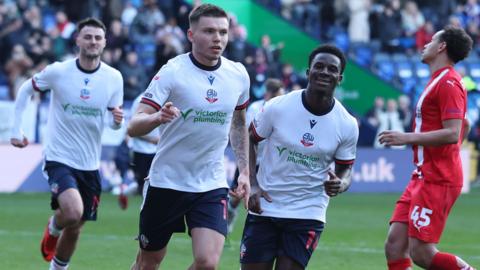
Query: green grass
[353, 238]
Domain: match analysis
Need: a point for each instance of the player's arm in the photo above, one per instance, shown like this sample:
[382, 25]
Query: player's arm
[448, 134]
[339, 181]
[239, 143]
[147, 118]
[256, 191]
[115, 118]
[149, 139]
[24, 94]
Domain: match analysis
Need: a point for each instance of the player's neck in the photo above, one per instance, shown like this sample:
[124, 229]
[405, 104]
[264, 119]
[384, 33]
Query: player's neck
[204, 61]
[89, 64]
[318, 103]
[439, 63]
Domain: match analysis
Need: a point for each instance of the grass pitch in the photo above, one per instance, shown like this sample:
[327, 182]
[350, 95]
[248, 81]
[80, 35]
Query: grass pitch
[353, 237]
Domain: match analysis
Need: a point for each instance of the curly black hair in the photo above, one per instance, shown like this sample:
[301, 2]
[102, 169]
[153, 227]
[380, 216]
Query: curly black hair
[458, 43]
[331, 49]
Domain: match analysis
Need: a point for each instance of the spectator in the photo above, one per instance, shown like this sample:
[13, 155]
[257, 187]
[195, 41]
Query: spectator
[389, 120]
[128, 14]
[405, 112]
[17, 69]
[389, 29]
[358, 27]
[373, 113]
[424, 35]
[134, 76]
[412, 18]
[146, 22]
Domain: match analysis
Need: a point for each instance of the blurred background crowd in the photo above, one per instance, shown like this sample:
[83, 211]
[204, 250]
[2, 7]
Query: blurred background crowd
[384, 37]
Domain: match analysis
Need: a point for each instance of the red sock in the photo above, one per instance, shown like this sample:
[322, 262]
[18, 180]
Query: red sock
[400, 264]
[444, 261]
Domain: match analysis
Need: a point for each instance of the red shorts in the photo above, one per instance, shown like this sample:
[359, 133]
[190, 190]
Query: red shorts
[425, 207]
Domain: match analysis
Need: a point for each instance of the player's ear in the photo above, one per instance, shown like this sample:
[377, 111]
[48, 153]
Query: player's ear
[307, 71]
[340, 78]
[190, 34]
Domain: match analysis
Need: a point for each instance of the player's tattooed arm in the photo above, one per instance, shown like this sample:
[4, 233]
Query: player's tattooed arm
[239, 139]
[239, 143]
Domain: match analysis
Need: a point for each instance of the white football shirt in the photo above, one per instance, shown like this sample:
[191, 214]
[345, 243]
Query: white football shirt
[78, 103]
[190, 152]
[299, 149]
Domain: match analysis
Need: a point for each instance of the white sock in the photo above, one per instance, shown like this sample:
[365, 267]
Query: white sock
[52, 227]
[56, 264]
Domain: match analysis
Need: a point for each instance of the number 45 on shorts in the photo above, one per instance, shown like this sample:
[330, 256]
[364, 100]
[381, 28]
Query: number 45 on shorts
[420, 217]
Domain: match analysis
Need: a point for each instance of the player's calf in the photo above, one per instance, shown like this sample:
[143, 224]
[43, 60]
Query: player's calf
[446, 261]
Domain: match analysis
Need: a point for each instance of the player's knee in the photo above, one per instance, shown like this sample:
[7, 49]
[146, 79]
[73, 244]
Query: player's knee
[149, 260]
[72, 217]
[395, 247]
[206, 262]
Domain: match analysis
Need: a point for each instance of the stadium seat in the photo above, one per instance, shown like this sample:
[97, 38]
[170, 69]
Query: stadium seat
[146, 53]
[362, 54]
[407, 85]
[421, 70]
[385, 70]
[475, 71]
[404, 70]
[399, 57]
[342, 41]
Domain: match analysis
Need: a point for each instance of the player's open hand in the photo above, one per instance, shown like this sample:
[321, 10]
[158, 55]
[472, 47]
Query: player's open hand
[117, 113]
[334, 185]
[19, 143]
[242, 191]
[167, 113]
[254, 203]
[391, 138]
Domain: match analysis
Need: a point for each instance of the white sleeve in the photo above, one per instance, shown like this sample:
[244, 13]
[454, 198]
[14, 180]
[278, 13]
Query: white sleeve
[347, 149]
[41, 81]
[116, 100]
[23, 96]
[262, 124]
[158, 91]
[245, 95]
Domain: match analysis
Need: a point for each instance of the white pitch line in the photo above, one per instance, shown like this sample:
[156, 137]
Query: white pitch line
[343, 247]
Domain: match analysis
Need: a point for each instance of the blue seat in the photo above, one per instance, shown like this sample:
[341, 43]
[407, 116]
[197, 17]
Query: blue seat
[421, 70]
[475, 71]
[385, 70]
[362, 54]
[342, 41]
[404, 70]
[408, 85]
[146, 53]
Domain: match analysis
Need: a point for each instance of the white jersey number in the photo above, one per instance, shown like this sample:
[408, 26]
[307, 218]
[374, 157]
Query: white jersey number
[420, 217]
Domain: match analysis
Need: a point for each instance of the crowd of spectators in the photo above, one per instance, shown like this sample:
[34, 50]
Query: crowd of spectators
[398, 25]
[144, 34]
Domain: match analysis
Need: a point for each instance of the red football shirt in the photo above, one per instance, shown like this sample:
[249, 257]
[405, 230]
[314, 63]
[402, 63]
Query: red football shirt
[443, 98]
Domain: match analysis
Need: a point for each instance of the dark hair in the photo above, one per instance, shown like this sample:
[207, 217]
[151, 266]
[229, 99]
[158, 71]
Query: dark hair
[331, 49]
[91, 22]
[206, 10]
[273, 85]
[458, 43]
